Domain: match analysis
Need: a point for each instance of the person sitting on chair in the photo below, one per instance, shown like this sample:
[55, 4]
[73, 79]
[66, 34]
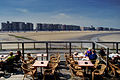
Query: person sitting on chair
[30, 58]
[88, 52]
[10, 57]
[93, 56]
[17, 56]
[102, 52]
[8, 60]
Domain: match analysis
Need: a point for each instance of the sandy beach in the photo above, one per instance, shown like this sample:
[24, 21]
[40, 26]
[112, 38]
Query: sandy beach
[60, 35]
[113, 37]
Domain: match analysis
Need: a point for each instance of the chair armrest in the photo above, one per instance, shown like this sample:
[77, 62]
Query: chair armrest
[78, 70]
[115, 66]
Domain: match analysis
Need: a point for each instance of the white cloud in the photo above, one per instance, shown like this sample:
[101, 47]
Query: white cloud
[61, 16]
[22, 10]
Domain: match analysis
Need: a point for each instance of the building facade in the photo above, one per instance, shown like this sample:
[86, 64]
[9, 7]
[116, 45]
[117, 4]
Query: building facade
[55, 27]
[16, 26]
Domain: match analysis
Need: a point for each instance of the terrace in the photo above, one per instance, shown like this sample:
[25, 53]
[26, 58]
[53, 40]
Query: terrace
[52, 48]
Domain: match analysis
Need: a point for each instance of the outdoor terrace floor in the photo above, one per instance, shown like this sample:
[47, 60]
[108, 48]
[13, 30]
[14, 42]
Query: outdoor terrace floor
[64, 74]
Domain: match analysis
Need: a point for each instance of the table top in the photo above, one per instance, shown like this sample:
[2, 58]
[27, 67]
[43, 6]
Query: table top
[114, 55]
[85, 58]
[40, 63]
[3, 56]
[41, 55]
[77, 55]
[85, 63]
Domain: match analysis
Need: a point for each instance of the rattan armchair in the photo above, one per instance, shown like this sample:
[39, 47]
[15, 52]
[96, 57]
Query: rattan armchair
[75, 65]
[75, 72]
[28, 70]
[100, 71]
[112, 72]
[50, 70]
[56, 61]
[66, 55]
[117, 69]
[96, 63]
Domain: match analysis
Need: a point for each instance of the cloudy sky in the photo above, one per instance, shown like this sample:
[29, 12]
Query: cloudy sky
[77, 12]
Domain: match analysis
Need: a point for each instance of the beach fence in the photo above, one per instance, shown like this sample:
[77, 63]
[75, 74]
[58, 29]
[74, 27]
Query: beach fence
[113, 46]
[45, 46]
[51, 47]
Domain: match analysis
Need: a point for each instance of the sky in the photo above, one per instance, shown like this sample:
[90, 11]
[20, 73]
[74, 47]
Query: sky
[105, 13]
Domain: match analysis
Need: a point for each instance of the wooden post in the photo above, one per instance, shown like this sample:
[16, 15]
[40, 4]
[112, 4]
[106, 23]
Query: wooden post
[70, 48]
[34, 45]
[81, 45]
[116, 47]
[93, 45]
[113, 46]
[1, 46]
[23, 49]
[107, 57]
[47, 49]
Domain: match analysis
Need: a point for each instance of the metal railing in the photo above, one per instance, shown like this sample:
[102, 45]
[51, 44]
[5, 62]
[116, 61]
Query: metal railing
[115, 45]
[68, 45]
[47, 43]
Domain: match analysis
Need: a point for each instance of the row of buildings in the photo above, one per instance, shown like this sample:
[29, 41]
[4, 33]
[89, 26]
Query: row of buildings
[22, 26]
[16, 26]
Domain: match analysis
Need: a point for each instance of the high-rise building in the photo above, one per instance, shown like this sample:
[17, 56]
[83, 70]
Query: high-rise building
[55, 27]
[16, 26]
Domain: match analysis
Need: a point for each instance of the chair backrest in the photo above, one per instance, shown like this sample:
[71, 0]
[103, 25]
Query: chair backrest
[96, 63]
[102, 69]
[25, 67]
[66, 55]
[52, 65]
[71, 70]
[112, 68]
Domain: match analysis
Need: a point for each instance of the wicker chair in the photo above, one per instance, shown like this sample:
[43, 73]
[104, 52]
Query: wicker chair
[112, 72]
[75, 65]
[96, 63]
[56, 60]
[100, 71]
[66, 55]
[117, 69]
[50, 70]
[28, 70]
[75, 72]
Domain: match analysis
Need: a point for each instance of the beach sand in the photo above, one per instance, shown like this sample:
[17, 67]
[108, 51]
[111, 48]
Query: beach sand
[60, 35]
[113, 37]
[57, 35]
